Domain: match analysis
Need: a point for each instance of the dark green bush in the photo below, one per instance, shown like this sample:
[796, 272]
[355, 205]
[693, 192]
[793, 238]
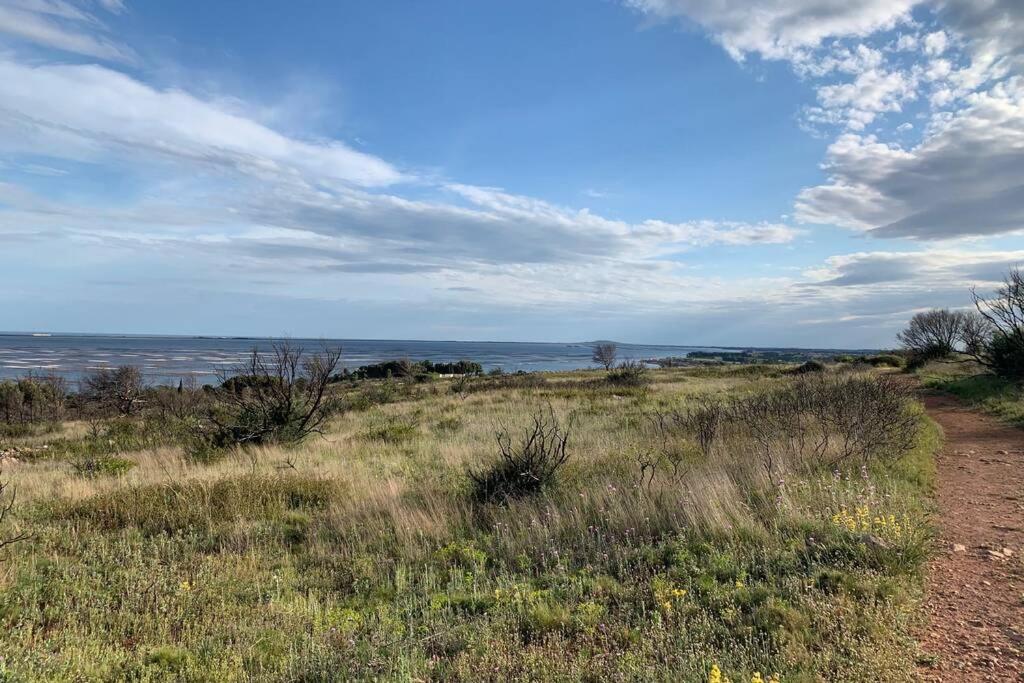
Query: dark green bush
[628, 374]
[888, 360]
[809, 367]
[1006, 355]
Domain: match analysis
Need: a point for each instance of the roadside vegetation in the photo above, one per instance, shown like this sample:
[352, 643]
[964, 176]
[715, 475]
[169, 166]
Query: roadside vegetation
[976, 355]
[752, 523]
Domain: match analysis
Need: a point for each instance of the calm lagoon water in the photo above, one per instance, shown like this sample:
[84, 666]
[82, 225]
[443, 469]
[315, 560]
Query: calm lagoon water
[167, 359]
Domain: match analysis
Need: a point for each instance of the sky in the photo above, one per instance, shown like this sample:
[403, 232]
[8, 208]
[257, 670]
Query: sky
[697, 172]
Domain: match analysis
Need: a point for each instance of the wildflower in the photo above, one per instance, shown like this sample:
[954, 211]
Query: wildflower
[715, 675]
[184, 587]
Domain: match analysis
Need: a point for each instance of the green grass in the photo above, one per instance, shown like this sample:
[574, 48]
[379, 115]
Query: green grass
[365, 560]
[1001, 398]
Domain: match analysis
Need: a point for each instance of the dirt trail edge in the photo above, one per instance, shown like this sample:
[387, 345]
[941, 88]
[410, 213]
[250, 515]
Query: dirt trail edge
[975, 583]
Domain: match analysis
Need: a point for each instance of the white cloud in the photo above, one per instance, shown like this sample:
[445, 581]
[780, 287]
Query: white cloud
[935, 43]
[872, 92]
[962, 57]
[89, 109]
[965, 178]
[781, 29]
[62, 26]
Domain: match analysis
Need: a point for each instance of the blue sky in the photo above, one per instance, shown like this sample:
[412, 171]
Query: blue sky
[755, 172]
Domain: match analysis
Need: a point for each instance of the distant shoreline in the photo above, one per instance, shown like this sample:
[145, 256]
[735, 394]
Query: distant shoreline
[342, 340]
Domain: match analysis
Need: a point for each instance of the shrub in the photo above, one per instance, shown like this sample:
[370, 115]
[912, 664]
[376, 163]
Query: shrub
[114, 390]
[628, 374]
[816, 421]
[404, 367]
[527, 467]
[168, 657]
[280, 397]
[102, 465]
[809, 366]
[32, 399]
[1005, 356]
[885, 360]
[392, 429]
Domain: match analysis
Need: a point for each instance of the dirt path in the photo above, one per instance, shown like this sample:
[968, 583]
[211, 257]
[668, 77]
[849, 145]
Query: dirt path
[975, 598]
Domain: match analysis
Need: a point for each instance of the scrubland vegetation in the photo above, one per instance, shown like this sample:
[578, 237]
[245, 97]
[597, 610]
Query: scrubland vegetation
[976, 355]
[685, 524]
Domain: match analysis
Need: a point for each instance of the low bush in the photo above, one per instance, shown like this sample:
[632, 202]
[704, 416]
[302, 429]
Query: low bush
[392, 429]
[526, 467]
[102, 465]
[814, 422]
[885, 360]
[628, 374]
[1005, 354]
[809, 366]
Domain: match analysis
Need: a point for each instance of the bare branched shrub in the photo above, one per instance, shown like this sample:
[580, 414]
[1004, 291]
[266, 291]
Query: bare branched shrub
[812, 422]
[704, 420]
[527, 465]
[829, 420]
[114, 390]
[605, 355]
[277, 397]
[7, 499]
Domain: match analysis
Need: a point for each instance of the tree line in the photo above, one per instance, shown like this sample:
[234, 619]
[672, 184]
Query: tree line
[991, 334]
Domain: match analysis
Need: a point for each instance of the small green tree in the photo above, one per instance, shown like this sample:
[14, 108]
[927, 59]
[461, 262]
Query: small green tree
[997, 340]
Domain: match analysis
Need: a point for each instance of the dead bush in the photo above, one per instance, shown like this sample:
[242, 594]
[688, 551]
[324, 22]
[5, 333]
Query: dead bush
[527, 466]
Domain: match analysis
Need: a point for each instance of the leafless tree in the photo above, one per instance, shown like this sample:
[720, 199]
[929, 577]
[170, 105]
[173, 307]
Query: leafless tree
[279, 396]
[605, 355]
[936, 333]
[118, 389]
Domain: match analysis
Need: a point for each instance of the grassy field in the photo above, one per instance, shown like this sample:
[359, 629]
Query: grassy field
[361, 555]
